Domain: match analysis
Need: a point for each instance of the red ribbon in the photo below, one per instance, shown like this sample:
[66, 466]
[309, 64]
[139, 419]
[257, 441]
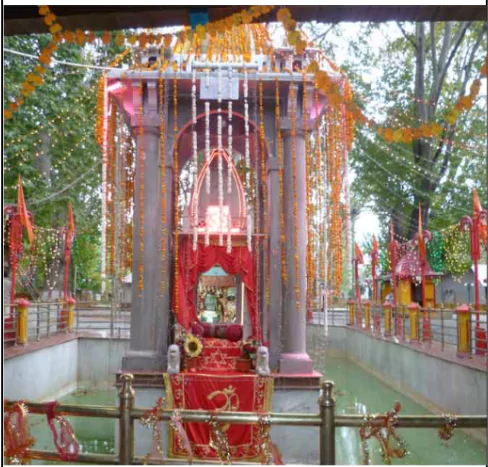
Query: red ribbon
[65, 442]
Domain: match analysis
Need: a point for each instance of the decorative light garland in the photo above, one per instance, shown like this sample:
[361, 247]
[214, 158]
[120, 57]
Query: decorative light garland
[195, 157]
[207, 145]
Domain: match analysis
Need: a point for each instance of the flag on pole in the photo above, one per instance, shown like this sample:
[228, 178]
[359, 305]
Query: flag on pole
[421, 237]
[476, 212]
[71, 228]
[358, 256]
[375, 250]
[22, 212]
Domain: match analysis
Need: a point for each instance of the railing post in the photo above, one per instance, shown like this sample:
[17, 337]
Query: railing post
[463, 330]
[403, 323]
[351, 304]
[48, 320]
[442, 326]
[387, 310]
[426, 325]
[398, 323]
[22, 321]
[38, 323]
[413, 310]
[327, 428]
[367, 315]
[126, 423]
[71, 313]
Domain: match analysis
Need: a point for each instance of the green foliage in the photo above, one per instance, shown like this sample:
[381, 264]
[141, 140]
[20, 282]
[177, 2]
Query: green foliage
[391, 179]
[50, 143]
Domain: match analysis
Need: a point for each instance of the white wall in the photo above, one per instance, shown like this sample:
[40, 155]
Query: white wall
[52, 372]
[43, 374]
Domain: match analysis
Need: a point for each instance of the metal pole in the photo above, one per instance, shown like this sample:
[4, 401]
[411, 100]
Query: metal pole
[442, 326]
[327, 428]
[126, 423]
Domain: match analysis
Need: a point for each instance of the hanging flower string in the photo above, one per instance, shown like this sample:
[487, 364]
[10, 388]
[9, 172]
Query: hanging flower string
[445, 432]
[280, 177]
[176, 187]
[270, 452]
[140, 284]
[17, 439]
[382, 428]
[177, 425]
[152, 419]
[219, 442]
[295, 194]
[65, 441]
[195, 155]
[162, 155]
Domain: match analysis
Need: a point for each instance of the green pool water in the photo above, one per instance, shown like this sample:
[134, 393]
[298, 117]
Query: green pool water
[357, 391]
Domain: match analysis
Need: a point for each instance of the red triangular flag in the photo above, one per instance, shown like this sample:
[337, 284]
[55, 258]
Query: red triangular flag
[22, 212]
[358, 255]
[476, 203]
[71, 220]
[477, 208]
[421, 237]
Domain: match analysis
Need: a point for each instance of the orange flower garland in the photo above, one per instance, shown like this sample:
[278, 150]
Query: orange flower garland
[280, 177]
[306, 135]
[176, 179]
[262, 140]
[295, 195]
[162, 154]
[141, 190]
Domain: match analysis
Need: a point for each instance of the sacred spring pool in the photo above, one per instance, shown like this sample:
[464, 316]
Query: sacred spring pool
[357, 392]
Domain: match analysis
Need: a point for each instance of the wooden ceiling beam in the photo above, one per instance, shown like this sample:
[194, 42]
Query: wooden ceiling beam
[26, 20]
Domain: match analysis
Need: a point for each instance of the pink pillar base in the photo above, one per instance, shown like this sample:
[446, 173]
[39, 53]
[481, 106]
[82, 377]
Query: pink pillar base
[296, 363]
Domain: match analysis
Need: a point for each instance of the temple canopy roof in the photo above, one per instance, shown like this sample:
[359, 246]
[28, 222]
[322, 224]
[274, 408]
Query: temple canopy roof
[409, 266]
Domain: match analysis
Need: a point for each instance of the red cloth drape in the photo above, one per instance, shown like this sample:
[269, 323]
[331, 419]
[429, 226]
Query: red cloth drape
[230, 392]
[193, 262]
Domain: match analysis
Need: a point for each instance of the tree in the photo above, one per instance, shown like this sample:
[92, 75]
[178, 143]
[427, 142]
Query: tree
[406, 75]
[50, 143]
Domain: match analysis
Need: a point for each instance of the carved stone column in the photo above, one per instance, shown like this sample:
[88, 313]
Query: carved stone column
[149, 315]
[274, 251]
[294, 357]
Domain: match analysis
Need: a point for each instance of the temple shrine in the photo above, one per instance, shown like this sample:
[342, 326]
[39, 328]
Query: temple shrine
[223, 144]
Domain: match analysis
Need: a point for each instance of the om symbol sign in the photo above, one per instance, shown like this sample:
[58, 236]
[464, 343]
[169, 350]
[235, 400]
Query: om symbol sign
[228, 401]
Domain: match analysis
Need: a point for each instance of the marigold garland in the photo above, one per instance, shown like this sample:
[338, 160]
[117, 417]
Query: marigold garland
[176, 179]
[162, 155]
[309, 268]
[141, 188]
[280, 178]
[295, 194]
[262, 141]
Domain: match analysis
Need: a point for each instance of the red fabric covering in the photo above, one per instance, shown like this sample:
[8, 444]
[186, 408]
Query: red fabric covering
[231, 332]
[237, 393]
[192, 263]
[218, 355]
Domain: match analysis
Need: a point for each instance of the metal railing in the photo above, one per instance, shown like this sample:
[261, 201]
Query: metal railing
[437, 328]
[44, 320]
[325, 420]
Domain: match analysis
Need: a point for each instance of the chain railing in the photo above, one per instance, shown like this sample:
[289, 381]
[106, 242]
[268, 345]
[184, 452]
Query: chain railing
[439, 329]
[325, 420]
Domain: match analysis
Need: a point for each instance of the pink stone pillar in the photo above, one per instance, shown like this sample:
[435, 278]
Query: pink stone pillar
[294, 357]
